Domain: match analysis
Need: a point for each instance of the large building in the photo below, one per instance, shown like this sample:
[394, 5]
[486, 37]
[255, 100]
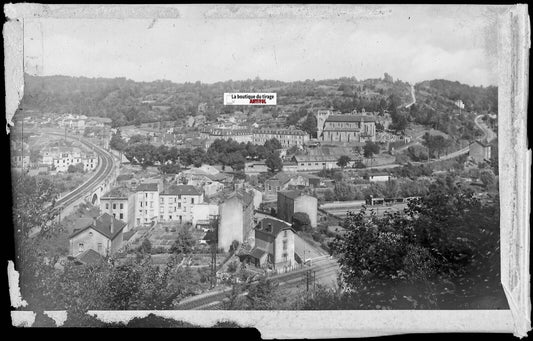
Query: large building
[287, 137]
[235, 219]
[333, 127]
[177, 202]
[120, 203]
[291, 202]
[146, 203]
[239, 135]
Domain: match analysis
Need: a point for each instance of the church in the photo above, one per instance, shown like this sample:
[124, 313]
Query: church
[352, 127]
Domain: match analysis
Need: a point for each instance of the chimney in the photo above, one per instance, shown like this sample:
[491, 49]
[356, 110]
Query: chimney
[112, 226]
[94, 221]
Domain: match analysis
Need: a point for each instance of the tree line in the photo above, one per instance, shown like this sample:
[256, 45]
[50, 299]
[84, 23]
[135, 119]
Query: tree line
[170, 159]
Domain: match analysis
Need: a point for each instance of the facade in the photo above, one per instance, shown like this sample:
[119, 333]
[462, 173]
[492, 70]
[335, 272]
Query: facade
[349, 128]
[177, 202]
[291, 202]
[274, 243]
[239, 135]
[287, 137]
[102, 234]
[380, 177]
[146, 203]
[278, 182]
[119, 202]
[480, 151]
[20, 160]
[306, 163]
[235, 219]
[61, 159]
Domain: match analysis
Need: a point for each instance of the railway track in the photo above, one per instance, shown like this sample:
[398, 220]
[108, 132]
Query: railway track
[324, 268]
[105, 167]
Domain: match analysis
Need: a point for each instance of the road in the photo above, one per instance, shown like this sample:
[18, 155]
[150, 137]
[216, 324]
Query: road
[488, 134]
[413, 96]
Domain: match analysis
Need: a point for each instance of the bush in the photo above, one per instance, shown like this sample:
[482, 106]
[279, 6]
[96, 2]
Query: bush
[232, 267]
[301, 221]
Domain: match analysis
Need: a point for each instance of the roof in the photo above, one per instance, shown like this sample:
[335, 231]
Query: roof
[315, 158]
[281, 131]
[272, 227]
[482, 143]
[257, 253]
[342, 129]
[246, 197]
[181, 190]
[117, 192]
[281, 176]
[90, 257]
[123, 177]
[148, 187]
[103, 226]
[378, 174]
[350, 118]
[291, 194]
[127, 235]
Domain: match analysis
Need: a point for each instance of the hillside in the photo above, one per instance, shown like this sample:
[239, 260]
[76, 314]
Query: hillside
[128, 102]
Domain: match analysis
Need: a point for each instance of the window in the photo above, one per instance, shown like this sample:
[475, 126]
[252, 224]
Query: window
[121, 216]
[169, 217]
[285, 233]
[106, 206]
[179, 205]
[114, 206]
[81, 247]
[141, 204]
[121, 206]
[99, 247]
[90, 234]
[284, 245]
[192, 200]
[269, 187]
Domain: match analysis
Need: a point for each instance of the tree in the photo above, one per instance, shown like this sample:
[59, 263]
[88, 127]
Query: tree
[370, 148]
[487, 178]
[274, 163]
[301, 221]
[447, 236]
[343, 161]
[117, 142]
[310, 125]
[146, 246]
[273, 145]
[184, 244]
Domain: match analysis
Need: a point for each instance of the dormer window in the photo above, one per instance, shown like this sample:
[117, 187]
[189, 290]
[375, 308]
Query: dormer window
[90, 234]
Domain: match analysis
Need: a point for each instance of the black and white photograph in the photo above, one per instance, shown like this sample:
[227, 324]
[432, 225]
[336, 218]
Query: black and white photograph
[267, 158]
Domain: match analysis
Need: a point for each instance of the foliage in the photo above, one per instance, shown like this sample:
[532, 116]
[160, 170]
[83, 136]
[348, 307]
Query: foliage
[146, 246]
[343, 161]
[417, 153]
[274, 163]
[444, 237]
[370, 149]
[117, 142]
[78, 168]
[262, 295]
[184, 243]
[301, 221]
[436, 144]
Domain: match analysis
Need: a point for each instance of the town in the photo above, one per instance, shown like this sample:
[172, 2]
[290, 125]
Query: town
[239, 195]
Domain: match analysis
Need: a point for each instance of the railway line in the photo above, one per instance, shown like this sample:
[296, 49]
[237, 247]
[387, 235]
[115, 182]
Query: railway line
[105, 167]
[325, 268]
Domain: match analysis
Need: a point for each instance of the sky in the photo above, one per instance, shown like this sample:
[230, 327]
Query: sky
[411, 43]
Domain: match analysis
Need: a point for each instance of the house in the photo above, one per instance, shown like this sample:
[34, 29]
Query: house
[146, 203]
[380, 177]
[102, 234]
[204, 213]
[273, 243]
[20, 160]
[120, 203]
[255, 167]
[276, 183]
[480, 151]
[317, 163]
[176, 203]
[235, 219]
[89, 257]
[291, 202]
